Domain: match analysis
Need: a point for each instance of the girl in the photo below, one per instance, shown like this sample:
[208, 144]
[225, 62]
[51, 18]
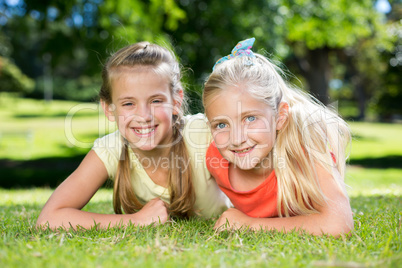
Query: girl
[277, 153]
[156, 157]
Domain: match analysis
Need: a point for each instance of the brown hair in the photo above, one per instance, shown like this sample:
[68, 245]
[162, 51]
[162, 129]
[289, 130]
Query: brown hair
[181, 190]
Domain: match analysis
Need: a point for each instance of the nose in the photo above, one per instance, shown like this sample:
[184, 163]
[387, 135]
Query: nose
[238, 136]
[143, 113]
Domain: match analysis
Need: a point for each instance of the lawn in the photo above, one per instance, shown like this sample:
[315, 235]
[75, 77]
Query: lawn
[36, 149]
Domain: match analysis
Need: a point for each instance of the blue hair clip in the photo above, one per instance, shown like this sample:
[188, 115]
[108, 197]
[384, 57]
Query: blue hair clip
[243, 48]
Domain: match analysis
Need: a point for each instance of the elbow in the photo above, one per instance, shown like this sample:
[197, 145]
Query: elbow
[342, 227]
[339, 231]
[46, 220]
[347, 227]
[42, 222]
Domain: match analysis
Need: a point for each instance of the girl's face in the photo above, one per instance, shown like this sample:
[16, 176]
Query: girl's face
[243, 127]
[142, 107]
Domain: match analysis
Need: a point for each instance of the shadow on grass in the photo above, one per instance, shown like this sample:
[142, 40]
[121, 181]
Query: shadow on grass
[54, 115]
[48, 172]
[389, 161]
[357, 137]
[51, 171]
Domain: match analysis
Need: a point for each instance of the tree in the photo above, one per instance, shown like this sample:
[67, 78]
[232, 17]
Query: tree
[12, 79]
[212, 28]
[303, 33]
[388, 101]
[76, 36]
[317, 28]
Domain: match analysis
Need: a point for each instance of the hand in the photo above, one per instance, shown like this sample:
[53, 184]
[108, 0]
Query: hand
[154, 211]
[232, 219]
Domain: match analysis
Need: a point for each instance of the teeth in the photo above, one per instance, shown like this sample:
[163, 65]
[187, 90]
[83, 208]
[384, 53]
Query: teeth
[243, 151]
[144, 130]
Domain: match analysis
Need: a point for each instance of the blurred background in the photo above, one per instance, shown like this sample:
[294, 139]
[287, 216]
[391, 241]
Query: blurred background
[51, 55]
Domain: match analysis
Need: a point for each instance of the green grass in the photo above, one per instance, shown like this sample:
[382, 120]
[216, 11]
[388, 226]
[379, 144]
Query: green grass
[376, 240]
[32, 129]
[376, 140]
[375, 180]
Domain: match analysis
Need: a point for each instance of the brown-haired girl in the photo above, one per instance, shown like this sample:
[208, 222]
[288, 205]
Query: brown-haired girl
[156, 158]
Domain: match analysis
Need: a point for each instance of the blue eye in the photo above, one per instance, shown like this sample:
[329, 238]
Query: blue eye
[220, 125]
[157, 101]
[127, 104]
[250, 119]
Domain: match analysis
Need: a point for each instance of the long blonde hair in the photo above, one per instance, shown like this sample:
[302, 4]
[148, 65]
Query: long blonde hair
[181, 190]
[312, 134]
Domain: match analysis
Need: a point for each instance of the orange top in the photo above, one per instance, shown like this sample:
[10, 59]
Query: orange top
[260, 202]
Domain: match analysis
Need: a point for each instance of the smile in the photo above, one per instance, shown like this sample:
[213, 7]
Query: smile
[144, 131]
[243, 151]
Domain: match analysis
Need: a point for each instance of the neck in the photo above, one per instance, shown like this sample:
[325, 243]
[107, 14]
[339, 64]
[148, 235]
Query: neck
[160, 151]
[152, 154]
[264, 168]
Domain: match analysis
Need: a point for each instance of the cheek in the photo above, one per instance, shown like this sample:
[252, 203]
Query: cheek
[124, 116]
[163, 113]
[221, 138]
[260, 128]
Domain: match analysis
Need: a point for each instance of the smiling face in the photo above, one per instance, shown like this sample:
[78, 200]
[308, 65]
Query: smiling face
[143, 107]
[243, 127]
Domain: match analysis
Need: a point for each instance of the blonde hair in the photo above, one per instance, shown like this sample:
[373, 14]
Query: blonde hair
[310, 134]
[162, 62]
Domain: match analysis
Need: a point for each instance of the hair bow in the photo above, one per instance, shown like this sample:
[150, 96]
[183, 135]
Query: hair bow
[243, 48]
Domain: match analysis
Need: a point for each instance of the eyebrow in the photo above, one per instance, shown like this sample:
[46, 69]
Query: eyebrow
[125, 98]
[243, 114]
[250, 112]
[218, 119]
[158, 95]
[150, 97]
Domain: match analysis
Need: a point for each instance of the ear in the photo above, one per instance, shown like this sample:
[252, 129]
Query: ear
[178, 102]
[283, 115]
[108, 109]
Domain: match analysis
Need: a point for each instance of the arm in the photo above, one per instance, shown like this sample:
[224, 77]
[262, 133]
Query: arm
[334, 217]
[63, 209]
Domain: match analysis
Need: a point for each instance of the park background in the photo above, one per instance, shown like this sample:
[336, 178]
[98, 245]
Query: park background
[348, 54]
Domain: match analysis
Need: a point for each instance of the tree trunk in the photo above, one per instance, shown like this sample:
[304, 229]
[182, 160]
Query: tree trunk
[318, 73]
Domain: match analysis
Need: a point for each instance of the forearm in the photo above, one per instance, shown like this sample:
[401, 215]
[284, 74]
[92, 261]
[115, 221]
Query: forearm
[315, 224]
[71, 217]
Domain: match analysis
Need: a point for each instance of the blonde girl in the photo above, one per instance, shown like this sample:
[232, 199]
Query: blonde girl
[156, 158]
[278, 154]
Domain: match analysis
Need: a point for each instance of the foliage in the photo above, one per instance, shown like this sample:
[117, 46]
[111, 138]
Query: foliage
[333, 23]
[303, 33]
[72, 38]
[84, 88]
[388, 101]
[319, 40]
[200, 41]
[12, 79]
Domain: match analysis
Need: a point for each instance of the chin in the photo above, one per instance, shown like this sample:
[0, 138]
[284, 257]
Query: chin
[245, 167]
[243, 164]
[147, 147]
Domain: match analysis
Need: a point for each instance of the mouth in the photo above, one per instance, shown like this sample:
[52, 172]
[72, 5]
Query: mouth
[144, 131]
[243, 151]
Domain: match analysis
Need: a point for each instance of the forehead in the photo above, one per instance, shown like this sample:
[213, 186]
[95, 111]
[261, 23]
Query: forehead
[233, 101]
[138, 82]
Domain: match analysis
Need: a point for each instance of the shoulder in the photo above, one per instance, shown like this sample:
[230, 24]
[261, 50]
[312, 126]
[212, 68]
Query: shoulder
[196, 131]
[213, 152]
[195, 121]
[108, 149]
[110, 141]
